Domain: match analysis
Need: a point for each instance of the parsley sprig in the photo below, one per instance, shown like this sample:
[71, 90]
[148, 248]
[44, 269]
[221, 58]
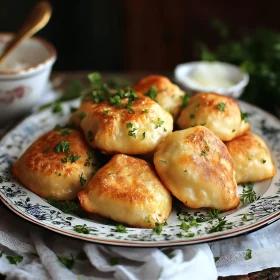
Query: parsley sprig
[248, 194]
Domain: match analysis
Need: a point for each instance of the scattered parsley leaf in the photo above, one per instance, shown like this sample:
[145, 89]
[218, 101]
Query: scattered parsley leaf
[57, 108]
[196, 107]
[121, 228]
[185, 99]
[67, 261]
[113, 261]
[214, 214]
[15, 259]
[263, 161]
[203, 153]
[158, 228]
[168, 253]
[163, 161]
[159, 123]
[105, 112]
[143, 135]
[65, 132]
[216, 258]
[82, 179]
[62, 146]
[46, 150]
[146, 111]
[248, 194]
[1, 254]
[82, 115]
[152, 93]
[244, 116]
[248, 254]
[90, 135]
[220, 225]
[74, 158]
[192, 116]
[221, 107]
[82, 229]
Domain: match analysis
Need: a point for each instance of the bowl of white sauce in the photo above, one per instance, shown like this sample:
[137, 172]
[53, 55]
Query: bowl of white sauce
[23, 75]
[216, 76]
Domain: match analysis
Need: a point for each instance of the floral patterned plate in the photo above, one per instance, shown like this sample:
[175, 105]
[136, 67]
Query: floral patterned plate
[184, 226]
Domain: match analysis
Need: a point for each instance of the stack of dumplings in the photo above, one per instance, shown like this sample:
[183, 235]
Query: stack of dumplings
[200, 164]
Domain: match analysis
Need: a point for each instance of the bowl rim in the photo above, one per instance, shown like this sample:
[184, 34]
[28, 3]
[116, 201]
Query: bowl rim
[45, 43]
[189, 65]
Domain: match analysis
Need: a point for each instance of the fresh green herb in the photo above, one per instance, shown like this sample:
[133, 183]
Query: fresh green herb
[180, 235]
[62, 146]
[121, 228]
[113, 261]
[192, 116]
[168, 253]
[233, 130]
[158, 228]
[159, 123]
[185, 170]
[67, 206]
[244, 218]
[65, 132]
[185, 99]
[57, 108]
[1, 254]
[196, 107]
[184, 226]
[147, 220]
[165, 130]
[221, 107]
[64, 160]
[73, 109]
[73, 158]
[214, 214]
[248, 254]
[129, 125]
[82, 229]
[15, 259]
[244, 116]
[132, 131]
[216, 258]
[163, 161]
[105, 112]
[263, 161]
[203, 153]
[248, 194]
[220, 225]
[128, 106]
[95, 78]
[190, 234]
[90, 156]
[143, 135]
[152, 93]
[146, 111]
[1, 179]
[115, 100]
[67, 262]
[82, 115]
[46, 150]
[82, 179]
[90, 135]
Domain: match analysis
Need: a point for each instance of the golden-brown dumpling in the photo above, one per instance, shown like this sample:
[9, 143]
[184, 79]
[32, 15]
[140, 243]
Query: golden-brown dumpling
[168, 95]
[134, 130]
[58, 164]
[127, 190]
[85, 107]
[219, 113]
[196, 167]
[251, 157]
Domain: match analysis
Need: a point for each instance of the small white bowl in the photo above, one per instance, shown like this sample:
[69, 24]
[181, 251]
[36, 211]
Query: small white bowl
[23, 75]
[219, 77]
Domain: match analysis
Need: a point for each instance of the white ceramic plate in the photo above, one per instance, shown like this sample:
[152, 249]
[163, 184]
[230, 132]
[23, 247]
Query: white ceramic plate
[31, 207]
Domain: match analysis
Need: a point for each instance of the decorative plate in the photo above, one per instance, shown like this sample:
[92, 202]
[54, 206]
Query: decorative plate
[198, 227]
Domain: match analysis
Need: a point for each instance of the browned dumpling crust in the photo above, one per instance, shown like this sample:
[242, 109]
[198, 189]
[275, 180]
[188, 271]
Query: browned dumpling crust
[219, 113]
[58, 164]
[85, 107]
[117, 129]
[168, 95]
[251, 157]
[127, 190]
[196, 167]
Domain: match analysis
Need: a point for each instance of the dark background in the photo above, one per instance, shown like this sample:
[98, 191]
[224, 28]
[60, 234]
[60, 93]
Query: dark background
[135, 35]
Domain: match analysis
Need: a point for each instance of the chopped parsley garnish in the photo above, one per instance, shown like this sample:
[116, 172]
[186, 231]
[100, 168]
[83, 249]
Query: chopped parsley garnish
[147, 220]
[244, 218]
[121, 228]
[203, 153]
[158, 228]
[1, 254]
[46, 150]
[129, 125]
[82, 229]
[244, 116]
[73, 109]
[90, 155]
[248, 194]
[214, 213]
[105, 112]
[114, 261]
[216, 259]
[185, 99]
[163, 161]
[248, 254]
[90, 135]
[82, 115]
[57, 108]
[67, 206]
[65, 132]
[82, 179]
[15, 259]
[73, 158]
[115, 100]
[184, 226]
[62, 146]
[185, 170]
[159, 123]
[168, 253]
[196, 107]
[220, 225]
[192, 116]
[221, 107]
[132, 131]
[143, 135]
[146, 111]
[67, 262]
[152, 93]
[263, 161]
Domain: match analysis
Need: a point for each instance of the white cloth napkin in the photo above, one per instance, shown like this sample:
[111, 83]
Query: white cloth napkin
[40, 249]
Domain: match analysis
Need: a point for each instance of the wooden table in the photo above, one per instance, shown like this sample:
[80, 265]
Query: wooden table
[62, 80]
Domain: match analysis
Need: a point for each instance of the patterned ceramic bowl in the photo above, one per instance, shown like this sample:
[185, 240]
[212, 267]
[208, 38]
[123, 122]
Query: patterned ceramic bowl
[216, 76]
[23, 75]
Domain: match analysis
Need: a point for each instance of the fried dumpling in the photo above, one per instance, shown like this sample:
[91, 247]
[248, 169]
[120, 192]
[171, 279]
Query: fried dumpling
[196, 167]
[58, 164]
[136, 129]
[219, 113]
[168, 95]
[127, 190]
[251, 157]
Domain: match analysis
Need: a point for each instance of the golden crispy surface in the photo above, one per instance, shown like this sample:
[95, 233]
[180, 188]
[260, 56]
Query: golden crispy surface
[127, 190]
[114, 129]
[196, 167]
[42, 171]
[81, 113]
[219, 113]
[252, 159]
[168, 94]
